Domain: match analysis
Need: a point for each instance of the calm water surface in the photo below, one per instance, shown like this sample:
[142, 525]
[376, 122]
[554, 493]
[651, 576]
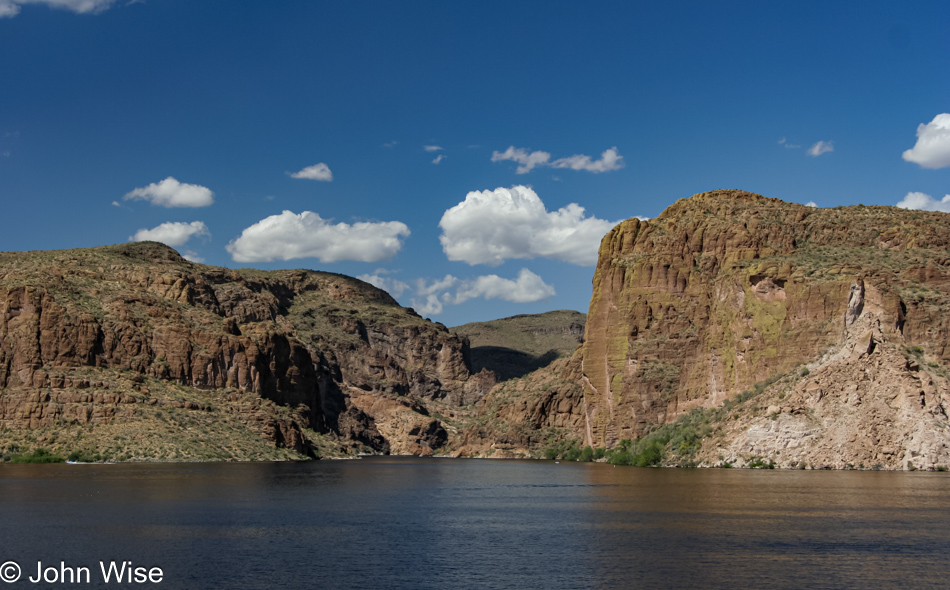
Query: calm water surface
[445, 523]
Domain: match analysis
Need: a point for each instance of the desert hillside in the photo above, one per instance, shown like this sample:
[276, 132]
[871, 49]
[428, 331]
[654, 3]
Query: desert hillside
[512, 347]
[132, 352]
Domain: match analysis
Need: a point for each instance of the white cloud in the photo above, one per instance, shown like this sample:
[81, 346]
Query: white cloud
[391, 144]
[609, 160]
[436, 286]
[172, 233]
[394, 287]
[432, 295]
[192, 256]
[11, 8]
[822, 147]
[526, 160]
[489, 227]
[924, 202]
[432, 148]
[527, 288]
[171, 193]
[429, 306]
[8, 9]
[811, 204]
[116, 204]
[438, 158]
[932, 149]
[307, 235]
[316, 172]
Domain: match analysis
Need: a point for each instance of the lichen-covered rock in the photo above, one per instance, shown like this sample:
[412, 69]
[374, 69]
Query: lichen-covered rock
[728, 288]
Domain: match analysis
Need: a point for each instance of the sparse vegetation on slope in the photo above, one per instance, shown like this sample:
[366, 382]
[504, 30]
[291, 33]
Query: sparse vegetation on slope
[133, 353]
[513, 347]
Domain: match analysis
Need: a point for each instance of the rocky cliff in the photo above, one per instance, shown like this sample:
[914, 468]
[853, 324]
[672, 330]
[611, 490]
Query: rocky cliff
[83, 334]
[726, 292]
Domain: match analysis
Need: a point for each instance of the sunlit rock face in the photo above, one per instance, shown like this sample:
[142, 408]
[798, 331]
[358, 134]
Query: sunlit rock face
[729, 292]
[76, 324]
[727, 289]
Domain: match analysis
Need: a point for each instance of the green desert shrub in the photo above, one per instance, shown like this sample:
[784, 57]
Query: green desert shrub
[37, 456]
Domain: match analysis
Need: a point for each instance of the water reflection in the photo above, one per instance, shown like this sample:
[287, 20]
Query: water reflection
[775, 529]
[442, 523]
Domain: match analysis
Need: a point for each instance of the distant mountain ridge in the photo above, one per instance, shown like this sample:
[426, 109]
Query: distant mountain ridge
[514, 346]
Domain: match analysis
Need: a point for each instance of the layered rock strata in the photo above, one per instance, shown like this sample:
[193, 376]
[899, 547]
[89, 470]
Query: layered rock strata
[302, 339]
[728, 291]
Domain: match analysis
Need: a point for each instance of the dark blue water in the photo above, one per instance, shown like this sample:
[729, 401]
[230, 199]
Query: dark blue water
[444, 523]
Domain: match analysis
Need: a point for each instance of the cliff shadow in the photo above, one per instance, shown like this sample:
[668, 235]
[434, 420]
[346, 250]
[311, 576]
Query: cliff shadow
[508, 363]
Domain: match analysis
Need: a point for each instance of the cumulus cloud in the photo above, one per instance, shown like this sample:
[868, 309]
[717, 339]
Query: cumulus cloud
[432, 297]
[822, 147]
[307, 235]
[11, 8]
[171, 193]
[316, 172]
[811, 204]
[192, 256]
[429, 306]
[527, 288]
[925, 202]
[172, 233]
[609, 160]
[932, 149]
[433, 148]
[489, 227]
[394, 287]
[527, 161]
[425, 288]
[438, 158]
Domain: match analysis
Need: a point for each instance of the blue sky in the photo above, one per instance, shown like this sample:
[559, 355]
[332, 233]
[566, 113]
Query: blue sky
[215, 118]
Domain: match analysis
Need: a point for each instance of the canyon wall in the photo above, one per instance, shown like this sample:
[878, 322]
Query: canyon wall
[315, 341]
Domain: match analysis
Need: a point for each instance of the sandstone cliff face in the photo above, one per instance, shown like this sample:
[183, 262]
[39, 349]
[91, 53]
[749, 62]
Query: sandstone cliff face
[302, 339]
[726, 289]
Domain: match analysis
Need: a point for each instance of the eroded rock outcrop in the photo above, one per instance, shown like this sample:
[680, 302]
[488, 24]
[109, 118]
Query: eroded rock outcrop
[727, 290]
[301, 339]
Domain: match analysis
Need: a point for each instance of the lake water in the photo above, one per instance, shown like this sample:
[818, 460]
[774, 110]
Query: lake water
[381, 523]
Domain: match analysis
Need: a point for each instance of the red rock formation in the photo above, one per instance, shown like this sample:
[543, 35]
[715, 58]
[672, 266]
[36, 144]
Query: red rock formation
[727, 288]
[299, 338]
